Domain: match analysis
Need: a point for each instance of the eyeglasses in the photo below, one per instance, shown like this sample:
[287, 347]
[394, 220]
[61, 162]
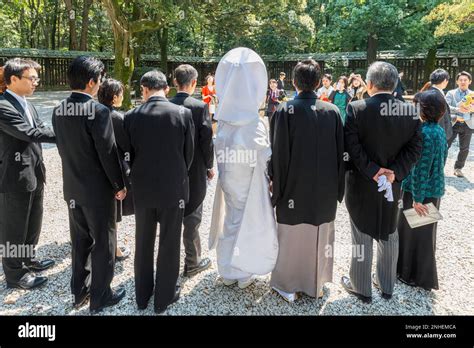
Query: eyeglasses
[32, 78]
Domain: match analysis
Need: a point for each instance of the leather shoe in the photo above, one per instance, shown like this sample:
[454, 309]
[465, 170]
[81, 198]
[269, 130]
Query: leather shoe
[346, 284]
[27, 282]
[38, 266]
[159, 310]
[202, 266]
[384, 295]
[115, 298]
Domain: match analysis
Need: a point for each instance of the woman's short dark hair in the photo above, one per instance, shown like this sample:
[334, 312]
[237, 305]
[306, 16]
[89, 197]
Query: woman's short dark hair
[83, 69]
[432, 105]
[438, 76]
[107, 90]
[464, 73]
[16, 67]
[306, 75]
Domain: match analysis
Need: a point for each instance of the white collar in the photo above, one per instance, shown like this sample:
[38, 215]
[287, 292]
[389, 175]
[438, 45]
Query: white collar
[21, 100]
[380, 93]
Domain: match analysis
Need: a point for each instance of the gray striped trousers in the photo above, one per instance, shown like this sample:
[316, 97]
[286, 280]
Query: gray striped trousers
[361, 262]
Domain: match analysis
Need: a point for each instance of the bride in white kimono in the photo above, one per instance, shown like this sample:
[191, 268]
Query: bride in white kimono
[243, 223]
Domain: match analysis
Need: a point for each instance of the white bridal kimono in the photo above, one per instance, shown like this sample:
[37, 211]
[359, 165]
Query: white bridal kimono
[243, 222]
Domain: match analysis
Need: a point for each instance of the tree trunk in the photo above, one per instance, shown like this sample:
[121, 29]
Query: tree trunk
[85, 24]
[430, 64]
[124, 63]
[54, 26]
[163, 41]
[372, 44]
[71, 15]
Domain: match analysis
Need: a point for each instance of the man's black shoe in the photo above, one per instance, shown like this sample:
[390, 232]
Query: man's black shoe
[38, 266]
[27, 282]
[115, 298]
[202, 266]
[159, 310]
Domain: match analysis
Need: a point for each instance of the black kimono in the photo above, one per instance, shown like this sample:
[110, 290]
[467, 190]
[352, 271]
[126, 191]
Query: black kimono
[307, 164]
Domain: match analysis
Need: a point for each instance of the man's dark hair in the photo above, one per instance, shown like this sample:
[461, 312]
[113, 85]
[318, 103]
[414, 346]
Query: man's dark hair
[108, 89]
[438, 76]
[328, 76]
[154, 80]
[432, 105]
[83, 69]
[464, 73]
[185, 74]
[16, 67]
[306, 75]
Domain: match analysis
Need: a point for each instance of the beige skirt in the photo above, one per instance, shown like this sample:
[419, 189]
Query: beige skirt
[305, 259]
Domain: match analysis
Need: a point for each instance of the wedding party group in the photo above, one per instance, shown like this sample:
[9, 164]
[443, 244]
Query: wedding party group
[278, 183]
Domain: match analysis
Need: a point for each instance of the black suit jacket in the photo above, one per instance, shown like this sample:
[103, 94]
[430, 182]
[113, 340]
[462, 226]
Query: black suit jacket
[375, 140]
[203, 149]
[21, 157]
[445, 121]
[161, 138]
[92, 172]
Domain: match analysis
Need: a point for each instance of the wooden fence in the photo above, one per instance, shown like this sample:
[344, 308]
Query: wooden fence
[54, 63]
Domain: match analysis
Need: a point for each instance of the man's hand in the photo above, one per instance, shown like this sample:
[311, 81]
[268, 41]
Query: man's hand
[387, 172]
[420, 208]
[120, 196]
[210, 174]
[464, 109]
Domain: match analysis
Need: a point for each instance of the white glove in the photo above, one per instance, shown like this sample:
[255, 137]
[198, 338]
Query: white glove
[385, 185]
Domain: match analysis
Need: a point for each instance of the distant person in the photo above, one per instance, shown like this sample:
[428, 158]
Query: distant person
[281, 81]
[326, 89]
[357, 87]
[209, 95]
[341, 97]
[439, 80]
[400, 88]
[464, 113]
[272, 99]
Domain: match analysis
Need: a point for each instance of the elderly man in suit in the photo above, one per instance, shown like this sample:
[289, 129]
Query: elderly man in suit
[162, 145]
[383, 140]
[22, 174]
[92, 178]
[201, 168]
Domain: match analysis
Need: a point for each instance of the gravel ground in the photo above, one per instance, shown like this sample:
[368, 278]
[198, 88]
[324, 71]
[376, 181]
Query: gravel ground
[204, 294]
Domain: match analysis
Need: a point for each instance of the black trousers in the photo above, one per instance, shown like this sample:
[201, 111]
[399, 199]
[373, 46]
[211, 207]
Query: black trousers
[21, 216]
[465, 134]
[167, 263]
[191, 239]
[93, 236]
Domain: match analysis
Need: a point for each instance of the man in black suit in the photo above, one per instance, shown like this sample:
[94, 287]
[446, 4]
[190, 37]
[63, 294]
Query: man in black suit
[22, 174]
[439, 80]
[201, 168]
[281, 81]
[162, 145]
[92, 179]
[383, 140]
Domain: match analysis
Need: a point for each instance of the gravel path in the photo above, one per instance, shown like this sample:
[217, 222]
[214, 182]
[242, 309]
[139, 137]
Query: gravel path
[205, 294]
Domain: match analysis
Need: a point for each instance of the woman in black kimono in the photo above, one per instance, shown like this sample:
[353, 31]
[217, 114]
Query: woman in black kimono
[111, 95]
